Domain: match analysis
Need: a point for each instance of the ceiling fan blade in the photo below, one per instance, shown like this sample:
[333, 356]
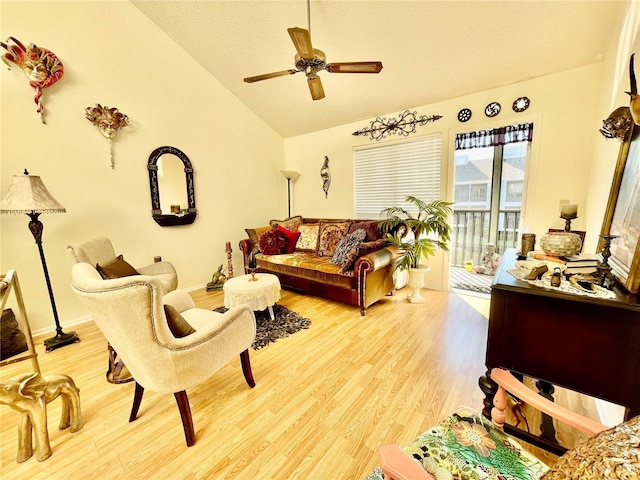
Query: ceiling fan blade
[315, 87]
[354, 67]
[267, 76]
[302, 41]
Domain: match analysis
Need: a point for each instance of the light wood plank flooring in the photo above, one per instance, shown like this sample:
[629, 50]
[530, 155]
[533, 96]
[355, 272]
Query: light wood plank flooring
[326, 398]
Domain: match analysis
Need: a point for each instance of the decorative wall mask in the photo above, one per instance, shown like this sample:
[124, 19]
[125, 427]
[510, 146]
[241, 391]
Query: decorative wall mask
[634, 104]
[40, 65]
[617, 125]
[404, 125]
[325, 174]
[109, 121]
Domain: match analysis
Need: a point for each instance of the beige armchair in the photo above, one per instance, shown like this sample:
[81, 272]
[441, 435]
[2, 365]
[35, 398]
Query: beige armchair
[100, 251]
[130, 312]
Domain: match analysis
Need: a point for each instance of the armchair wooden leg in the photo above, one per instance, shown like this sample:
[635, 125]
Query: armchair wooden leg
[246, 368]
[185, 414]
[137, 400]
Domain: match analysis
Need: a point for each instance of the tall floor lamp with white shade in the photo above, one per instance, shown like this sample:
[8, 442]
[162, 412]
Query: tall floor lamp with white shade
[27, 194]
[291, 176]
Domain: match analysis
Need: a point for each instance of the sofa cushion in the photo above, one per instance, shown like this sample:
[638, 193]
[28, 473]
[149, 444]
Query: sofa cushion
[369, 226]
[329, 235]
[291, 223]
[292, 238]
[255, 234]
[347, 243]
[308, 240]
[116, 269]
[273, 242]
[308, 266]
[177, 324]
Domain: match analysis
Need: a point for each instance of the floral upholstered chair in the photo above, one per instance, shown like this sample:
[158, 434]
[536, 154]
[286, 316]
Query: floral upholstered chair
[466, 446]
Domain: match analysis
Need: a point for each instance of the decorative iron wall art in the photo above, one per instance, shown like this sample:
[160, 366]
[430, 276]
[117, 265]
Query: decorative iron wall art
[325, 174]
[40, 65]
[109, 121]
[404, 125]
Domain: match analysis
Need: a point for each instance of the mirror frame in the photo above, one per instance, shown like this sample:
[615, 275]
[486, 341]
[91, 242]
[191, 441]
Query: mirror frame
[156, 211]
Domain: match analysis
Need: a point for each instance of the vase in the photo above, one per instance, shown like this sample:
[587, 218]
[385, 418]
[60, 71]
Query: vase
[416, 282]
[560, 244]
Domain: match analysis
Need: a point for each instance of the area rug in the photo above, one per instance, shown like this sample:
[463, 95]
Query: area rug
[286, 323]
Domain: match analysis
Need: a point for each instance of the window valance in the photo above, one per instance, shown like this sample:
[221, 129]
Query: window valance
[498, 136]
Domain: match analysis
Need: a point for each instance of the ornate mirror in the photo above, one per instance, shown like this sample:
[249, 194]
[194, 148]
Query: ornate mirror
[177, 207]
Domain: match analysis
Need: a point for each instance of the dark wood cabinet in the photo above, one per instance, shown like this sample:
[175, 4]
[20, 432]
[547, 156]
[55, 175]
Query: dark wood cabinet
[586, 344]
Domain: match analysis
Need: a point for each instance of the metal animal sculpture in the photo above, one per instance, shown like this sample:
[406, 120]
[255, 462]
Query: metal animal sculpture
[29, 395]
[40, 65]
[618, 123]
[634, 104]
[325, 174]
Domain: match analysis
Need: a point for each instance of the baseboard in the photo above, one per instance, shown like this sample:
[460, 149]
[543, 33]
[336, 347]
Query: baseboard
[68, 325]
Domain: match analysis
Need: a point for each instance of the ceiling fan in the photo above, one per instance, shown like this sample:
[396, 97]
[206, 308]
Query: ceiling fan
[311, 61]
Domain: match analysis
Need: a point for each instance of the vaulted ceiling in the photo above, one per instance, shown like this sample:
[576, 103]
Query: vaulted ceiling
[431, 50]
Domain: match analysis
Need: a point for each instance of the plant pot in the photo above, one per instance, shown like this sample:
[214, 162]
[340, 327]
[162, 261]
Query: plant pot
[416, 282]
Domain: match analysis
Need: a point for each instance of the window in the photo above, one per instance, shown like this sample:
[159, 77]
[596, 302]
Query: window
[384, 175]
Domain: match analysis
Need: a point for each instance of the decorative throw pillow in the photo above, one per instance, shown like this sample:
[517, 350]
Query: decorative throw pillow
[369, 226]
[177, 324]
[292, 238]
[357, 251]
[329, 235]
[273, 242]
[612, 454]
[116, 269]
[346, 244]
[368, 247]
[308, 240]
[291, 223]
[254, 236]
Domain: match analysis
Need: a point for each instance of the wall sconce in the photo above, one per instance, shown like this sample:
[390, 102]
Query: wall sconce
[290, 176]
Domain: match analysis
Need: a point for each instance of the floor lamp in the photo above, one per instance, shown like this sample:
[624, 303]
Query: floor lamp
[290, 176]
[27, 194]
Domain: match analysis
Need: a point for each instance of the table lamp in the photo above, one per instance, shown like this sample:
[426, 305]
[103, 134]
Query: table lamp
[27, 194]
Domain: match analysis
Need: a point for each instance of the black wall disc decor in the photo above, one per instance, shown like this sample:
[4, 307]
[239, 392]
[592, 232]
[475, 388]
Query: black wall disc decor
[521, 104]
[464, 115]
[492, 109]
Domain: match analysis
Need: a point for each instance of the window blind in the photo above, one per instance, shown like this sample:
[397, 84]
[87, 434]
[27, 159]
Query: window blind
[384, 175]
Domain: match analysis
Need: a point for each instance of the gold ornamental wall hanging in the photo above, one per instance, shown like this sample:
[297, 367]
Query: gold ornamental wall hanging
[109, 121]
[40, 65]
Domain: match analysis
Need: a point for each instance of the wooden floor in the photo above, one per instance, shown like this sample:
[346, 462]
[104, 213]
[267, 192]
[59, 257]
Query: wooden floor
[325, 400]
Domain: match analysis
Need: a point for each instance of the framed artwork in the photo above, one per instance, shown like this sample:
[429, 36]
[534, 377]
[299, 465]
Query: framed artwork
[622, 216]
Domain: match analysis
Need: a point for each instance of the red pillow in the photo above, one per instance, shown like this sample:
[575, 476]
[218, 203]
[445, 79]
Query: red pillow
[273, 242]
[292, 238]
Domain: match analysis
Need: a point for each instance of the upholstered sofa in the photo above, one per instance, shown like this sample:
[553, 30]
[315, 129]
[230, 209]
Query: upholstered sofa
[340, 259]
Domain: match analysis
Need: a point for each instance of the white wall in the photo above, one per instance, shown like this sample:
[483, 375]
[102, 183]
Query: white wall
[563, 109]
[115, 56]
[615, 82]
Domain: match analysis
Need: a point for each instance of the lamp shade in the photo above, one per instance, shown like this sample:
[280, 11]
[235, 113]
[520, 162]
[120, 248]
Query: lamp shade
[28, 194]
[290, 175]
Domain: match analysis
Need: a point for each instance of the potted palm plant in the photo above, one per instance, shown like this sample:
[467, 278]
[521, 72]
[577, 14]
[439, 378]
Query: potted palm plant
[430, 229]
